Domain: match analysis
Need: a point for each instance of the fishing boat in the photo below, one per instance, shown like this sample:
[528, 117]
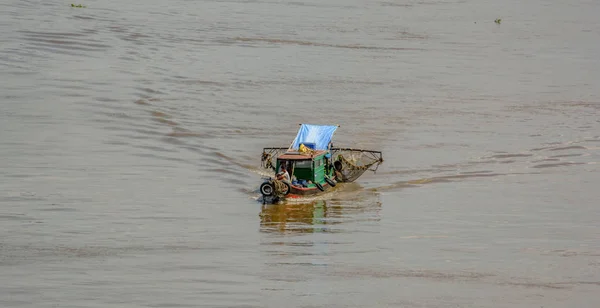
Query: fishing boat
[311, 165]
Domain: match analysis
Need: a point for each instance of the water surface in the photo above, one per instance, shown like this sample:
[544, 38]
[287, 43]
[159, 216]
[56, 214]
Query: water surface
[130, 137]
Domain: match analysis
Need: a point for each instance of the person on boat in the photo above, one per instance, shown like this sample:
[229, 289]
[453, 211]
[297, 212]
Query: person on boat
[283, 175]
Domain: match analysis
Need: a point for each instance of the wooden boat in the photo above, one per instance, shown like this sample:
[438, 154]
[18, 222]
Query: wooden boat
[316, 166]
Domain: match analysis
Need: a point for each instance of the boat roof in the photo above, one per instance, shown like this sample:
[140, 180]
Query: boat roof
[300, 156]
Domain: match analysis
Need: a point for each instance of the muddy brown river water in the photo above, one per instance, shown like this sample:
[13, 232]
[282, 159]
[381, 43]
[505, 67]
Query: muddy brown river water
[131, 133]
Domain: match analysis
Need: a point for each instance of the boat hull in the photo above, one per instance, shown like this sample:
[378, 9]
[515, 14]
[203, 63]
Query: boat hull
[274, 195]
[297, 192]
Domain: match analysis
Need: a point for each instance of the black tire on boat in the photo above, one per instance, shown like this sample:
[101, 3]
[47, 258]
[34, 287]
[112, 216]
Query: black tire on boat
[288, 188]
[338, 165]
[267, 189]
[330, 182]
[319, 186]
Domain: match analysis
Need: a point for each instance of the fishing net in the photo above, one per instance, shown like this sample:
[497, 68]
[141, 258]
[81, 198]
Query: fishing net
[269, 155]
[350, 164]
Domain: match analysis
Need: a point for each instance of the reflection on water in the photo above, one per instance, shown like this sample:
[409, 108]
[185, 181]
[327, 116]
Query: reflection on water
[302, 240]
[298, 218]
[318, 216]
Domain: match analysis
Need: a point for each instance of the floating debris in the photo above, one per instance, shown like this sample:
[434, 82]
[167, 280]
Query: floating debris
[498, 20]
[78, 6]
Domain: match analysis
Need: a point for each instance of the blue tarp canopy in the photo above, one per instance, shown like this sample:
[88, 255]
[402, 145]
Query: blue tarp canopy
[316, 137]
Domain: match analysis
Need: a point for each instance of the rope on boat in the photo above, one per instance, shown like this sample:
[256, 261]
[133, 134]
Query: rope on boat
[281, 188]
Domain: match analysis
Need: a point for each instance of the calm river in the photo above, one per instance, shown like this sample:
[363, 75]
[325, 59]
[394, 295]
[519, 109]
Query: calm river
[131, 134]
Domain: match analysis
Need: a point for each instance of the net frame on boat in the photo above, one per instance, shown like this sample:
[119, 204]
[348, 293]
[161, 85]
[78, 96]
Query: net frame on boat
[349, 163]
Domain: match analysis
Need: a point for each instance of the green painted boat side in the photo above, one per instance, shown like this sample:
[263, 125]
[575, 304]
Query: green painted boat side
[303, 191]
